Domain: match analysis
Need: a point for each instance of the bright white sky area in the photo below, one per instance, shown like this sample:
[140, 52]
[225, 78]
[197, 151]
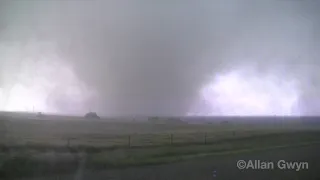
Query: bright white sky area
[35, 78]
[169, 58]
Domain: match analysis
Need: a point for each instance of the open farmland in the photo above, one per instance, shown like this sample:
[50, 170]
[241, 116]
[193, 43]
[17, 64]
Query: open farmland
[43, 146]
[224, 167]
[104, 133]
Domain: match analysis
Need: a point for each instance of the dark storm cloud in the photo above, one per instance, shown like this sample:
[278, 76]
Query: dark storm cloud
[147, 57]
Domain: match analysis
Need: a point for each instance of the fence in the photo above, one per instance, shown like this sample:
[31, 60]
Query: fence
[132, 140]
[137, 140]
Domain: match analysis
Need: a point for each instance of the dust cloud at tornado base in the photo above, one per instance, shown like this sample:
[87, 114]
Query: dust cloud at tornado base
[160, 58]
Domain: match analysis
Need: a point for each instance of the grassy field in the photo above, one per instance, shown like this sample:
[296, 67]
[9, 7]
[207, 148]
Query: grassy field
[108, 134]
[43, 147]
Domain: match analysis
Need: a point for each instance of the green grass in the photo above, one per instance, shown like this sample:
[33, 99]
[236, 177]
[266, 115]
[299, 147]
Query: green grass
[102, 134]
[31, 162]
[38, 147]
[146, 156]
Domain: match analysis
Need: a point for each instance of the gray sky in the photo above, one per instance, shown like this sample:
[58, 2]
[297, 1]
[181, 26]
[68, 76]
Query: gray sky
[125, 57]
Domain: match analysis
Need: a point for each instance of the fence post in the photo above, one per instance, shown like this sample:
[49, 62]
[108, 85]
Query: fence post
[68, 142]
[129, 140]
[171, 138]
[205, 138]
